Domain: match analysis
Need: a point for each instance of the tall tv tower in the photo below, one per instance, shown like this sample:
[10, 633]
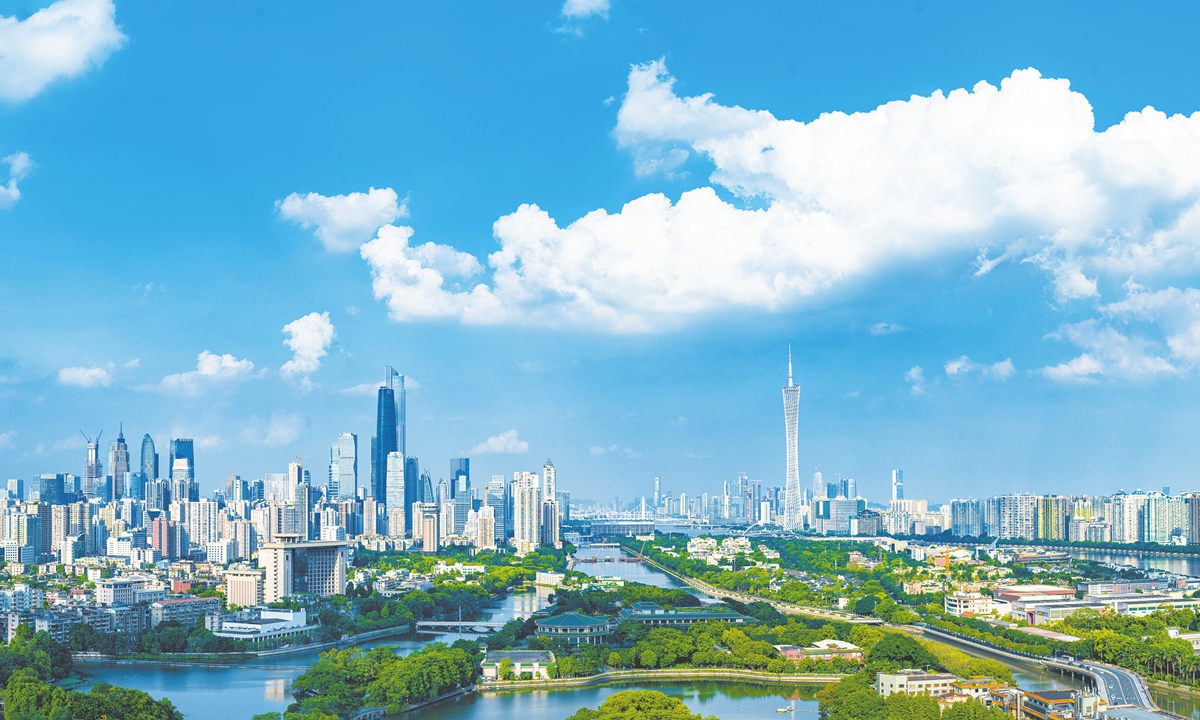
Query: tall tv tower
[791, 426]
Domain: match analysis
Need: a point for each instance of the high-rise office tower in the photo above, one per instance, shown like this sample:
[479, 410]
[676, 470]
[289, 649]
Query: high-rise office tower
[656, 490]
[395, 382]
[412, 491]
[460, 476]
[343, 468]
[149, 459]
[496, 498]
[118, 464]
[897, 484]
[394, 494]
[443, 491]
[385, 440]
[819, 489]
[849, 488]
[791, 426]
[427, 487]
[183, 449]
[93, 469]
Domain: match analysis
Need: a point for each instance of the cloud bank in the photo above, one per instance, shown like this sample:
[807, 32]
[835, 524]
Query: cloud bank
[63, 40]
[1015, 173]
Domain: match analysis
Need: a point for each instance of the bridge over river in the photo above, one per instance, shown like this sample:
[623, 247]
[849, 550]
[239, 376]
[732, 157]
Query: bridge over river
[460, 626]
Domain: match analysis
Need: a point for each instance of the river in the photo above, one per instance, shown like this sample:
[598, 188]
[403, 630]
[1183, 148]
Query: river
[243, 690]
[1178, 563]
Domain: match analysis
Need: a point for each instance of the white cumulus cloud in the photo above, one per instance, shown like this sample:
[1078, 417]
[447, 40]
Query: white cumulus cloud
[505, 443]
[7, 438]
[210, 368]
[577, 9]
[886, 328]
[60, 41]
[965, 367]
[18, 167]
[310, 338]
[343, 222]
[1019, 168]
[86, 377]
[916, 378]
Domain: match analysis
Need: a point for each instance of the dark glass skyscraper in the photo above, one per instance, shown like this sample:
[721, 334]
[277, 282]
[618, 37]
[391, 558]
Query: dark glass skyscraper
[460, 476]
[183, 477]
[384, 442]
[413, 492]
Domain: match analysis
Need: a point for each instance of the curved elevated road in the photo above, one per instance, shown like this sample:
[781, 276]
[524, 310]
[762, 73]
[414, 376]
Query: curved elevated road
[1119, 686]
[1116, 685]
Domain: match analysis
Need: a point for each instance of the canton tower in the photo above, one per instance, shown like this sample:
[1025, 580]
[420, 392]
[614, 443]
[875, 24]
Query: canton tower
[791, 421]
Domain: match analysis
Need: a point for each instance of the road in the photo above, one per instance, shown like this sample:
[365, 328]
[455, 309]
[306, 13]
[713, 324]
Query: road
[1117, 686]
[1123, 687]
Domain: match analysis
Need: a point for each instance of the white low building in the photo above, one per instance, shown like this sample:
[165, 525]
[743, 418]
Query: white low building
[261, 624]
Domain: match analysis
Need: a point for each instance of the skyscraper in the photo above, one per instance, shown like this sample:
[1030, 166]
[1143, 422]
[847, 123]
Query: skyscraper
[412, 491]
[183, 476]
[394, 493]
[791, 426]
[550, 519]
[93, 469]
[343, 468]
[118, 464]
[395, 382]
[897, 484]
[656, 489]
[495, 497]
[385, 440]
[149, 458]
[526, 512]
[549, 480]
[460, 476]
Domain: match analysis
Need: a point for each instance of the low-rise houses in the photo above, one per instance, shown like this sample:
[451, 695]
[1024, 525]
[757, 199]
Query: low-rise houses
[822, 650]
[533, 662]
[185, 611]
[969, 604]
[915, 682]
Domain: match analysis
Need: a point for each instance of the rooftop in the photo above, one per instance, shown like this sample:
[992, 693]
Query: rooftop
[520, 656]
[572, 619]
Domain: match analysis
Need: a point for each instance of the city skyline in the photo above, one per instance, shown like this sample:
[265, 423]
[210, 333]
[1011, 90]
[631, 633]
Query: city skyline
[1025, 323]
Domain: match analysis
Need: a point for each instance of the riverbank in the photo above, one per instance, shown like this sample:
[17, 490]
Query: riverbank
[667, 675]
[227, 659]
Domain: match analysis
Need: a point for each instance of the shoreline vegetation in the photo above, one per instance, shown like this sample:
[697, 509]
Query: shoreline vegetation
[617, 677]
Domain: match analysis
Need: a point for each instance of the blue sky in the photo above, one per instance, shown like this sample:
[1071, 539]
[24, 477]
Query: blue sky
[993, 289]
